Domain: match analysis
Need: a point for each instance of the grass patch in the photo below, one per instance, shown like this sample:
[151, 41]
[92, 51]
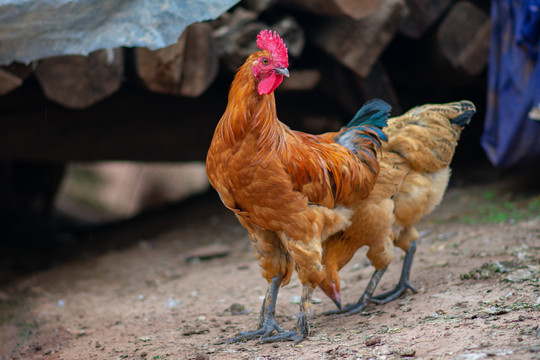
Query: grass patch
[486, 271]
[501, 208]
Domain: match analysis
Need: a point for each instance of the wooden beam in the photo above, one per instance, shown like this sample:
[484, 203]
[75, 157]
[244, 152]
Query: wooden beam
[464, 37]
[353, 9]
[78, 82]
[186, 68]
[421, 15]
[358, 44]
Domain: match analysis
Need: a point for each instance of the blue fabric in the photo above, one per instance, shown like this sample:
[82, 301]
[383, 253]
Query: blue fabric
[35, 29]
[511, 137]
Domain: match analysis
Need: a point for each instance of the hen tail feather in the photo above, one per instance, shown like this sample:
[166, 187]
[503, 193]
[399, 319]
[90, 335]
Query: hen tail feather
[468, 110]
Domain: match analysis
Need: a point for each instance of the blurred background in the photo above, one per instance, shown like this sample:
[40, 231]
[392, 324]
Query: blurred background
[106, 112]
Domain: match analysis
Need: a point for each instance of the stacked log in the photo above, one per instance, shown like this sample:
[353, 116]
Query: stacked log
[336, 47]
[13, 76]
[186, 68]
[110, 105]
[78, 82]
[464, 37]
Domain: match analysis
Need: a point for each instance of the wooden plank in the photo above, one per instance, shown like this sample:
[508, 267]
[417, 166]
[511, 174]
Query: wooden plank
[185, 68]
[78, 82]
[13, 76]
[464, 37]
[258, 6]
[358, 44]
[235, 34]
[421, 15]
[132, 124]
[353, 9]
[160, 71]
[129, 125]
[8, 82]
[200, 65]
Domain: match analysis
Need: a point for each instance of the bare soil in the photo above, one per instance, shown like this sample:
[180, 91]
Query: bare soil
[182, 293]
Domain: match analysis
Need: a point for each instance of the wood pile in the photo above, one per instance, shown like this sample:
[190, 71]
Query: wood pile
[354, 34]
[110, 105]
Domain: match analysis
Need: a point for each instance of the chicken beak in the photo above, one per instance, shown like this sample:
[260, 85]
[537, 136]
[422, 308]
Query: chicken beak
[282, 71]
[333, 294]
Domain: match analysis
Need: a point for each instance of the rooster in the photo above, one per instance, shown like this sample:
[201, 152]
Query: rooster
[289, 189]
[413, 177]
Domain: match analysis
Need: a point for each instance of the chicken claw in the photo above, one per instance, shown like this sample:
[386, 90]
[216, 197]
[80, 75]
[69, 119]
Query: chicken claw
[403, 283]
[365, 299]
[267, 321]
[302, 326]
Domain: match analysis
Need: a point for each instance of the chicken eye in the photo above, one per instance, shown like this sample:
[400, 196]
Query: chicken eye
[264, 61]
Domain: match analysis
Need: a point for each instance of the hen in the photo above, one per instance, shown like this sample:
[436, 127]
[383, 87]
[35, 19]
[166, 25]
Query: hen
[413, 177]
[289, 189]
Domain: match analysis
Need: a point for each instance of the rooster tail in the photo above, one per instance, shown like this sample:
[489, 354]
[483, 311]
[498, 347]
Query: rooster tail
[374, 112]
[363, 134]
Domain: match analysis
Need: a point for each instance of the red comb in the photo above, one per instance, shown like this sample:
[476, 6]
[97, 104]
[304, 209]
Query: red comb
[267, 40]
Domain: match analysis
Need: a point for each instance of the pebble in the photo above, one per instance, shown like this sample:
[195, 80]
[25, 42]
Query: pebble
[173, 303]
[209, 252]
[519, 275]
[373, 341]
[407, 352]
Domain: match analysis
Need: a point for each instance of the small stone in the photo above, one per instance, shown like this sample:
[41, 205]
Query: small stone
[407, 353]
[518, 276]
[171, 302]
[236, 309]
[373, 341]
[209, 252]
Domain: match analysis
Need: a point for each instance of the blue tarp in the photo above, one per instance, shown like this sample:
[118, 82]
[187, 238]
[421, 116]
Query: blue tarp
[35, 29]
[511, 134]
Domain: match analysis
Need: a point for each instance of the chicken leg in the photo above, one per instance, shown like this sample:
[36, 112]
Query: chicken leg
[302, 326]
[365, 299]
[388, 296]
[267, 322]
[403, 283]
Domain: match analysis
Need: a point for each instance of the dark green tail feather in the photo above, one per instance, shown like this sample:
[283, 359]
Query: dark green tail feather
[367, 124]
[374, 112]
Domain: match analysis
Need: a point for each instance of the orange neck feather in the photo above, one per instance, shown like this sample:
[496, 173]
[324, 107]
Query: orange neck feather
[249, 112]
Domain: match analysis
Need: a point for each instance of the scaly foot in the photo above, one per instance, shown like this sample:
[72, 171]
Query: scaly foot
[366, 298]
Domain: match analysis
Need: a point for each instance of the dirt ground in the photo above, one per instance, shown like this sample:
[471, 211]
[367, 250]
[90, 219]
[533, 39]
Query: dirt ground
[181, 294]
